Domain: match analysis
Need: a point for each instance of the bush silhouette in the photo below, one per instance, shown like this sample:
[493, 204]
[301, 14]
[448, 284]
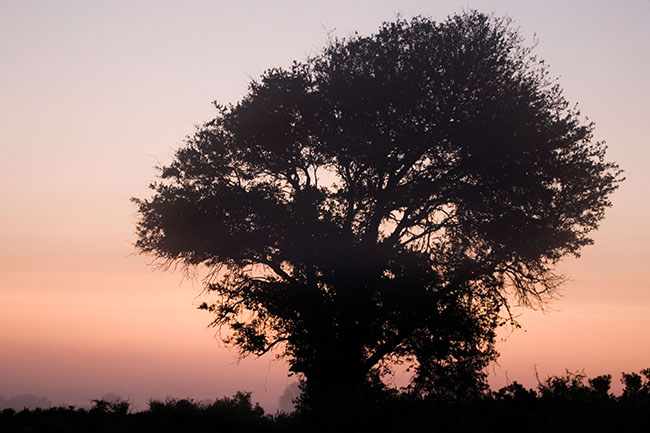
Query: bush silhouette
[564, 403]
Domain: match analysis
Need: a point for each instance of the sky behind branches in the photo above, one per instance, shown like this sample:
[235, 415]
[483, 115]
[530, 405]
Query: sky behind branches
[93, 95]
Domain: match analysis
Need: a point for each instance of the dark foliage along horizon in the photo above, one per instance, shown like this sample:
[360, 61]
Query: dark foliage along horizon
[383, 202]
[569, 403]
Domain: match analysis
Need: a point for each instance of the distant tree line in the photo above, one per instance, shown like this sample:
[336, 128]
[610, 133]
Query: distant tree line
[570, 402]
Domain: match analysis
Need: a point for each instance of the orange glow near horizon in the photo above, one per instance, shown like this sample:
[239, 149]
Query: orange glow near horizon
[94, 96]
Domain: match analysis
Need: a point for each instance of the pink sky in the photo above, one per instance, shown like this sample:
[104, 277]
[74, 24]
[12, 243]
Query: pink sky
[92, 97]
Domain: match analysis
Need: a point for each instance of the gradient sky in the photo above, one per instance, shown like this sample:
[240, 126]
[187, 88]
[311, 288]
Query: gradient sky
[94, 94]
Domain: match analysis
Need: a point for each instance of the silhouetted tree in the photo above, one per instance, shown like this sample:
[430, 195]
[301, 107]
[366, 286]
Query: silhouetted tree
[636, 385]
[384, 201]
[600, 385]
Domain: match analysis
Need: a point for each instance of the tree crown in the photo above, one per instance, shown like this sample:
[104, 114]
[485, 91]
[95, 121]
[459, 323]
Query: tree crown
[382, 198]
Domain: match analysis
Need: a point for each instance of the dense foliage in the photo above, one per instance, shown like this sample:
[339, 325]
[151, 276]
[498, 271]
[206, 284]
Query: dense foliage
[382, 202]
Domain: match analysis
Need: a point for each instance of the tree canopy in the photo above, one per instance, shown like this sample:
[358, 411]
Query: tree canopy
[384, 201]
